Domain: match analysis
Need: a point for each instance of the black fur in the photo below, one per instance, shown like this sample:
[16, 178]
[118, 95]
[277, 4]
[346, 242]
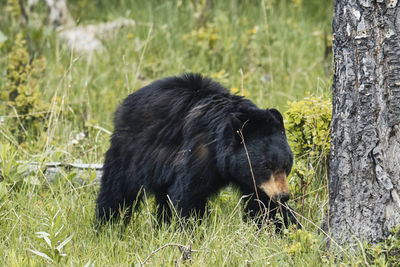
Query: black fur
[179, 137]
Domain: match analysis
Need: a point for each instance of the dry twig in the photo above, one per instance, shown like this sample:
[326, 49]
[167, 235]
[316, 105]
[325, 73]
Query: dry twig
[240, 132]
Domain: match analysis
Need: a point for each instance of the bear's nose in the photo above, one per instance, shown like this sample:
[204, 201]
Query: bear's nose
[283, 197]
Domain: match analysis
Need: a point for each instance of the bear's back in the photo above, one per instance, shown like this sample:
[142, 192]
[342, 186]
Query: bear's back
[167, 100]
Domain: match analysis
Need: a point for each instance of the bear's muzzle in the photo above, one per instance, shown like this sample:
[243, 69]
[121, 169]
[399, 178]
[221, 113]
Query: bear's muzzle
[276, 187]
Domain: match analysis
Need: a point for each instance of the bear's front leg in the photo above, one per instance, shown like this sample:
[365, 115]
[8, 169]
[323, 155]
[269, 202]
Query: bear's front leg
[264, 210]
[261, 209]
[288, 216]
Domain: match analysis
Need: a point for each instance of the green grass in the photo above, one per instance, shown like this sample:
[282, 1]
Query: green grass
[276, 49]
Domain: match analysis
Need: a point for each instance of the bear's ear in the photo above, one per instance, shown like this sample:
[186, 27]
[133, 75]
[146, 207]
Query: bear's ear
[233, 126]
[236, 121]
[276, 114]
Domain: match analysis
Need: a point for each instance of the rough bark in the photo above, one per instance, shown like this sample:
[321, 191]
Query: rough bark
[364, 180]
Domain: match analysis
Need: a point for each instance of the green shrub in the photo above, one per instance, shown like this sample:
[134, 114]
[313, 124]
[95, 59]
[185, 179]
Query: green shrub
[13, 9]
[300, 241]
[392, 247]
[308, 126]
[21, 91]
[385, 253]
[308, 130]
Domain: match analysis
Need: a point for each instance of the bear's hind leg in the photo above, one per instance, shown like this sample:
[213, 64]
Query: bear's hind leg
[111, 208]
[113, 205]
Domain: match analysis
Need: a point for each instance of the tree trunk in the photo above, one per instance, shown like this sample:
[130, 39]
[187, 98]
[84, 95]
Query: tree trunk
[364, 182]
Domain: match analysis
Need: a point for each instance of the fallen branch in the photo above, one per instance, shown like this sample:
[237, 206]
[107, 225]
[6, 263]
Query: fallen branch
[52, 171]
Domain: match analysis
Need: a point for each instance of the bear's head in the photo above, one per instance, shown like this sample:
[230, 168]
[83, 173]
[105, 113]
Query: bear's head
[258, 148]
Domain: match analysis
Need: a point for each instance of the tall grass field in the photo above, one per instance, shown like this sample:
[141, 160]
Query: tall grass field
[276, 53]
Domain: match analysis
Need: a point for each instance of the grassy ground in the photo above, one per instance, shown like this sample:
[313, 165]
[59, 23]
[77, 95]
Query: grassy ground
[270, 51]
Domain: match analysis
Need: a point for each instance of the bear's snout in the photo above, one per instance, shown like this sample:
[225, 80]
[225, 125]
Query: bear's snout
[276, 187]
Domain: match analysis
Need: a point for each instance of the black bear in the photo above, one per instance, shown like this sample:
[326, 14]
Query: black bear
[183, 139]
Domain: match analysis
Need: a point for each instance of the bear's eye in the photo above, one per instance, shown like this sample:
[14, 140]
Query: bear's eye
[268, 166]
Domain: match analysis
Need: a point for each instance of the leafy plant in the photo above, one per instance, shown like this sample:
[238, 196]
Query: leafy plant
[308, 130]
[13, 9]
[21, 91]
[13, 174]
[54, 240]
[308, 126]
[300, 241]
[386, 253]
[392, 247]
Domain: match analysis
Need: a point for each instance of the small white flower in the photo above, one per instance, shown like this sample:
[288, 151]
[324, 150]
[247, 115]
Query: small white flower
[80, 136]
[74, 142]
